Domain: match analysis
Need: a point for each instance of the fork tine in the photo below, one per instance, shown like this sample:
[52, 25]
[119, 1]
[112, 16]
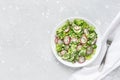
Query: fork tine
[109, 42]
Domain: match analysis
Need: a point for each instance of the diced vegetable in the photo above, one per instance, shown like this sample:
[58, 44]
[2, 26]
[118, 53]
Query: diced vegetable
[91, 29]
[66, 47]
[82, 52]
[94, 46]
[79, 47]
[94, 41]
[81, 59]
[73, 47]
[65, 56]
[92, 35]
[89, 50]
[78, 22]
[58, 47]
[77, 29]
[63, 52]
[67, 40]
[86, 32]
[83, 39]
[67, 29]
[74, 39]
[60, 41]
[56, 40]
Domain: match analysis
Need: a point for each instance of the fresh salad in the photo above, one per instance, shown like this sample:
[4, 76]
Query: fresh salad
[76, 40]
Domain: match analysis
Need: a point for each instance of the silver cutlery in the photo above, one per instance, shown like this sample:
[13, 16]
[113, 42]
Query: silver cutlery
[113, 26]
[104, 58]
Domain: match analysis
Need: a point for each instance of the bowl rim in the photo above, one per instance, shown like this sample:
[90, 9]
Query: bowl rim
[76, 65]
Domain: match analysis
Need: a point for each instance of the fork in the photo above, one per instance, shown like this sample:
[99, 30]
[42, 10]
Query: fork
[104, 58]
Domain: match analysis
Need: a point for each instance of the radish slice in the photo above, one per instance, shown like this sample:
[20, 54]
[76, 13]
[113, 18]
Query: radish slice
[86, 31]
[79, 47]
[67, 30]
[83, 39]
[56, 40]
[81, 59]
[77, 29]
[67, 40]
[63, 52]
[94, 41]
[89, 50]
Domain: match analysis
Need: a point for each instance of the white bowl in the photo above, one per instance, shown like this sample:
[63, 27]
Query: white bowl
[87, 62]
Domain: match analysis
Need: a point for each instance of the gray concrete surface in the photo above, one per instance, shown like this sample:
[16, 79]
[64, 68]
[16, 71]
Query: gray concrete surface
[25, 32]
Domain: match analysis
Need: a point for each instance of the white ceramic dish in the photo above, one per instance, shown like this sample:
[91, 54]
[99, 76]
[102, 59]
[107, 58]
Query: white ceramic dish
[76, 64]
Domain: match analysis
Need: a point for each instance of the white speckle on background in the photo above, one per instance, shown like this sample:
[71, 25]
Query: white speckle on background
[57, 2]
[17, 8]
[46, 16]
[2, 61]
[47, 13]
[43, 13]
[48, 32]
[46, 0]
[61, 9]
[37, 3]
[3, 8]
[106, 6]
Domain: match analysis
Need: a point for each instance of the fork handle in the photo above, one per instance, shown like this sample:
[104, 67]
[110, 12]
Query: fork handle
[103, 61]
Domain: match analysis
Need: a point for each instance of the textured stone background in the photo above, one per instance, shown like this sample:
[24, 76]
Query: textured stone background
[25, 30]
